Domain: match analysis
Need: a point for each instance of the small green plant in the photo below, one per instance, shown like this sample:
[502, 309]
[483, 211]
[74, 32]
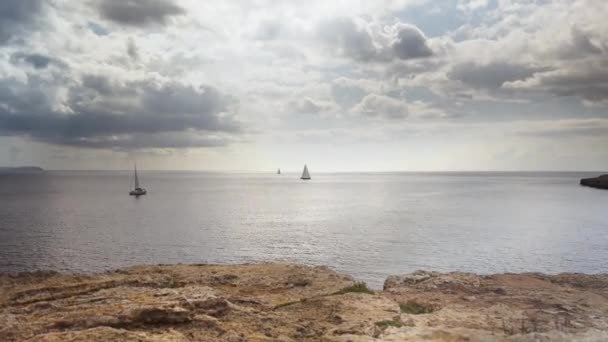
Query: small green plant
[282, 305]
[414, 308]
[389, 323]
[359, 287]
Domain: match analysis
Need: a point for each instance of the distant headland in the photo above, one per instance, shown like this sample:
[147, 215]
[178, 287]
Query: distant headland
[600, 182]
[22, 169]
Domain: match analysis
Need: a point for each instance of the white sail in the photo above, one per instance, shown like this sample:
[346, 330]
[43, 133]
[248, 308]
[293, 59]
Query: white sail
[136, 178]
[305, 174]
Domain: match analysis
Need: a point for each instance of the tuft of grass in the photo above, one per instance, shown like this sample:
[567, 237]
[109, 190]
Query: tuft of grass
[282, 305]
[414, 308]
[389, 323]
[359, 287]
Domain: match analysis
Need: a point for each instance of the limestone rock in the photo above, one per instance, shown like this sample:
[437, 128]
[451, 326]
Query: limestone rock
[284, 302]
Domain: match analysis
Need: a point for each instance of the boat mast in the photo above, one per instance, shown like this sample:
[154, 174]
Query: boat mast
[136, 178]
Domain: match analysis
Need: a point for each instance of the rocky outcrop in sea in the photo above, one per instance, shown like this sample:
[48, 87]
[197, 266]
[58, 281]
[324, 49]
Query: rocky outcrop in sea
[600, 182]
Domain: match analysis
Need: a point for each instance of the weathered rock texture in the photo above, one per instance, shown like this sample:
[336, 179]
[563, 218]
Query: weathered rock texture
[600, 182]
[278, 302]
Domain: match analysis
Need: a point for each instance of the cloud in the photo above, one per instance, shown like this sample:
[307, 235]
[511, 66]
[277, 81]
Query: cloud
[17, 16]
[14, 153]
[347, 92]
[139, 13]
[471, 5]
[104, 113]
[132, 49]
[362, 41]
[588, 127]
[309, 106]
[38, 61]
[587, 80]
[375, 105]
[349, 39]
[492, 75]
[410, 43]
[268, 30]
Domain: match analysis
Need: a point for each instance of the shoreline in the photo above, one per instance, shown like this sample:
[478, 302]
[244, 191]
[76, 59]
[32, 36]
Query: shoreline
[291, 302]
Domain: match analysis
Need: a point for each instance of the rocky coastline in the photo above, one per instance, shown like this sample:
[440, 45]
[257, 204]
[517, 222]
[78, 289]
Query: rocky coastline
[600, 182]
[285, 302]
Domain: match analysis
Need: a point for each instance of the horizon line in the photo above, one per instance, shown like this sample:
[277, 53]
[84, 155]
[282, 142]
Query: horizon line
[326, 171]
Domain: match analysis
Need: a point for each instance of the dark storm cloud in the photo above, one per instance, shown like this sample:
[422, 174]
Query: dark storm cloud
[108, 114]
[492, 75]
[139, 12]
[348, 39]
[36, 60]
[17, 16]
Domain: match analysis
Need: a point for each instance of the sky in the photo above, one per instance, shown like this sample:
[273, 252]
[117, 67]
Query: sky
[344, 85]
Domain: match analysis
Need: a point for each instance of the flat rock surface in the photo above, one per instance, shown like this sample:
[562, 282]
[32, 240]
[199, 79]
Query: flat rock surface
[283, 302]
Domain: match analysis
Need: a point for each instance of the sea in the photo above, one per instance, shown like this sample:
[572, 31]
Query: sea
[369, 225]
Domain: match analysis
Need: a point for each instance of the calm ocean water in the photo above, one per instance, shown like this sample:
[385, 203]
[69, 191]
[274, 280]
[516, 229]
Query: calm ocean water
[368, 225]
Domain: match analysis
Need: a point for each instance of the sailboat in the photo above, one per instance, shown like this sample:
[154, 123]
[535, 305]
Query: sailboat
[278, 171]
[305, 174]
[138, 191]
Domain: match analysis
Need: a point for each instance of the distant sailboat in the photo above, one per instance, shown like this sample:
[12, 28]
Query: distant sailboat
[278, 171]
[138, 191]
[305, 174]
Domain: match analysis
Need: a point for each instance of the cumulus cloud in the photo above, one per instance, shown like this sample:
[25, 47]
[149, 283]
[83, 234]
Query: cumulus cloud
[103, 113]
[586, 79]
[36, 60]
[410, 43]
[307, 105]
[139, 13]
[17, 16]
[491, 75]
[375, 105]
[358, 41]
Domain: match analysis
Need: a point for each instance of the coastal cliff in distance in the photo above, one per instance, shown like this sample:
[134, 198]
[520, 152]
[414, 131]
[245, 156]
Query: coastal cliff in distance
[600, 182]
[284, 302]
[21, 169]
